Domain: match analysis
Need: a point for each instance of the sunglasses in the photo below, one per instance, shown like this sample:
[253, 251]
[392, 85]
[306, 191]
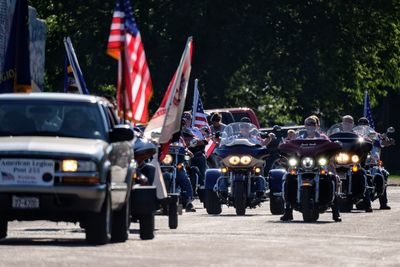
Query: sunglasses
[311, 124]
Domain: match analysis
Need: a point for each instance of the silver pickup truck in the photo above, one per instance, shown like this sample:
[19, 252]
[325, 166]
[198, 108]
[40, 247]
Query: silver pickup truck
[64, 157]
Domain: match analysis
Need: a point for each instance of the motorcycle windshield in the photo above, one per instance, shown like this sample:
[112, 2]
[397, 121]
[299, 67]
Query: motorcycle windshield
[241, 133]
[366, 132]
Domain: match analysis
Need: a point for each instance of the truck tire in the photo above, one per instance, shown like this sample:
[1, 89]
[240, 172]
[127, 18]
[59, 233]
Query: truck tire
[99, 225]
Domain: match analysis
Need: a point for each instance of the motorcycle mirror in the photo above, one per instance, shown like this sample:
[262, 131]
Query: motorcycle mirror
[390, 130]
[276, 128]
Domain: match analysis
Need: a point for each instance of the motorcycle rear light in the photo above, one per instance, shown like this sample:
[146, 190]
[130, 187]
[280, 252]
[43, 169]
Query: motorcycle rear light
[354, 168]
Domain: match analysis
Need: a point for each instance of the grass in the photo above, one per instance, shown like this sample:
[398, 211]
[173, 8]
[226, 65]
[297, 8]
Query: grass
[397, 177]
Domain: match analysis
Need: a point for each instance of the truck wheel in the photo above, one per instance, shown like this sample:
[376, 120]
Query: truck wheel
[212, 202]
[3, 228]
[310, 213]
[240, 199]
[173, 215]
[99, 225]
[276, 204]
[121, 222]
[146, 227]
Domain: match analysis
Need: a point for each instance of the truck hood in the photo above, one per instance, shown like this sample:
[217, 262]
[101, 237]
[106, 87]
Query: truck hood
[52, 146]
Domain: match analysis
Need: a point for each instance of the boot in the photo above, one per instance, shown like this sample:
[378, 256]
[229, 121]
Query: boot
[288, 215]
[189, 207]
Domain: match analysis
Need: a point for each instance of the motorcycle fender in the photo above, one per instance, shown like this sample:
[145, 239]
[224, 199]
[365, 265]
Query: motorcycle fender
[211, 178]
[275, 179]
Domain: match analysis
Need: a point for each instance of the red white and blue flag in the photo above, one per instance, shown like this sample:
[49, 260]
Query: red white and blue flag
[125, 38]
[199, 117]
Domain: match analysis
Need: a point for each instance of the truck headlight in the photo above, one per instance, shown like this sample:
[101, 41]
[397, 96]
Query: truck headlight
[71, 165]
[167, 160]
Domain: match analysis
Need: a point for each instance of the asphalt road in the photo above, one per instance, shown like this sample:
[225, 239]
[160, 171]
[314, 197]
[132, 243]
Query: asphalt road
[257, 239]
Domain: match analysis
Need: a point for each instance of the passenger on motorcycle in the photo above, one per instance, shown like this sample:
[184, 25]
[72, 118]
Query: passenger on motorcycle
[196, 143]
[311, 132]
[245, 128]
[379, 141]
[216, 124]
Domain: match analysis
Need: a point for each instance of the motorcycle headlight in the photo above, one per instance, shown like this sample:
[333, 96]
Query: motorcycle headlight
[292, 162]
[187, 157]
[167, 160]
[322, 161]
[234, 160]
[355, 159]
[307, 162]
[71, 165]
[342, 158]
[245, 160]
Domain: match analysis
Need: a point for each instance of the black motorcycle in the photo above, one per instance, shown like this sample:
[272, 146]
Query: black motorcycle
[355, 183]
[240, 181]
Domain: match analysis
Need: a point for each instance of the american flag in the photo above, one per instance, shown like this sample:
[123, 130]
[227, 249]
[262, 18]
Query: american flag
[125, 37]
[367, 110]
[199, 117]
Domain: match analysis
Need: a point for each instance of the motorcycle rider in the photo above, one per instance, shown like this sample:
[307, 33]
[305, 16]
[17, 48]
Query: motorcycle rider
[216, 124]
[311, 132]
[196, 143]
[375, 152]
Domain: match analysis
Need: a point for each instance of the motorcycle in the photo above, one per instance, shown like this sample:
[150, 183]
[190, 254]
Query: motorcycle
[240, 181]
[355, 183]
[308, 185]
[373, 165]
[178, 160]
[144, 201]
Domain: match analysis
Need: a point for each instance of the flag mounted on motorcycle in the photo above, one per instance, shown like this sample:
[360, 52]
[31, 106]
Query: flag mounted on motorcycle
[167, 119]
[135, 88]
[73, 81]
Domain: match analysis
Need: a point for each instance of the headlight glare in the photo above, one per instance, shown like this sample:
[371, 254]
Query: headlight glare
[69, 165]
[167, 160]
[342, 158]
[355, 159]
[307, 162]
[322, 161]
[292, 162]
[234, 160]
[245, 160]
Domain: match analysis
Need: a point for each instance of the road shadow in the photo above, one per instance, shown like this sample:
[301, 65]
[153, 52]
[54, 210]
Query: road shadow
[301, 222]
[60, 242]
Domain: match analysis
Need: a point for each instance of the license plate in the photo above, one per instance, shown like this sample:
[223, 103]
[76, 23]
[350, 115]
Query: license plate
[25, 202]
[27, 172]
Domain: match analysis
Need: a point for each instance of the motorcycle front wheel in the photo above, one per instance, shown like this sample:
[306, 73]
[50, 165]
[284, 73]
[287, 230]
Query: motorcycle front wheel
[308, 207]
[240, 199]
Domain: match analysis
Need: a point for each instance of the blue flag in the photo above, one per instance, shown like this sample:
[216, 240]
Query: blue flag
[73, 75]
[16, 76]
[367, 110]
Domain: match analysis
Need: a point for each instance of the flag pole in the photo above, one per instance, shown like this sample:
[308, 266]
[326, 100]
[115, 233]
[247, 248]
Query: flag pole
[195, 101]
[123, 83]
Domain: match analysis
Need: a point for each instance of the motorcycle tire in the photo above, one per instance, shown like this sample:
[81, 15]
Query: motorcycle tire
[345, 205]
[276, 204]
[173, 215]
[212, 202]
[309, 211]
[146, 227]
[240, 198]
[3, 228]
